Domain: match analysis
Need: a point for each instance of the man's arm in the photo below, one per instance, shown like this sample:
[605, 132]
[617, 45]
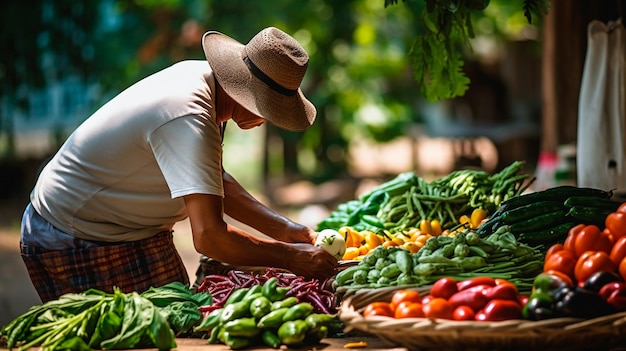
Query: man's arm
[242, 206]
[216, 239]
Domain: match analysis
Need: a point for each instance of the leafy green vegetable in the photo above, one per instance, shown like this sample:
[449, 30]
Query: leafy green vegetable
[436, 55]
[98, 320]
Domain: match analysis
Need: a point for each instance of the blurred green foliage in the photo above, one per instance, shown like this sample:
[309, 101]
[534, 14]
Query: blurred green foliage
[359, 77]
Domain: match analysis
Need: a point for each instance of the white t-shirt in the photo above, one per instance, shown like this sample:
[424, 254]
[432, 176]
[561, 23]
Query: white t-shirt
[121, 175]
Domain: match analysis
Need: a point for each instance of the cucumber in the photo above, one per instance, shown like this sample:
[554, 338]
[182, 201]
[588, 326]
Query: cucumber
[588, 201]
[546, 237]
[559, 193]
[543, 221]
[589, 215]
[526, 212]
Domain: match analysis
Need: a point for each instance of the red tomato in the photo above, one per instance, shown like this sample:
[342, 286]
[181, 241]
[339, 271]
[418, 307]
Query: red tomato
[591, 262]
[463, 313]
[405, 295]
[426, 299]
[378, 308]
[616, 223]
[618, 251]
[408, 309]
[622, 208]
[438, 308]
[562, 261]
[468, 283]
[444, 287]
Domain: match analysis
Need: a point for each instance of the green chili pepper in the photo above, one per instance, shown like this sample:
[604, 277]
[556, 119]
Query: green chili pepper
[260, 306]
[298, 311]
[244, 327]
[253, 290]
[317, 320]
[236, 296]
[210, 321]
[272, 291]
[270, 338]
[235, 310]
[273, 319]
[288, 302]
[214, 337]
[236, 342]
[292, 333]
[314, 336]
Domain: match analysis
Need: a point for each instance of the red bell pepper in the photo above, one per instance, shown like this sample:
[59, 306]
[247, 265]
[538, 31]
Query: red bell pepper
[591, 262]
[562, 261]
[616, 222]
[618, 252]
[591, 238]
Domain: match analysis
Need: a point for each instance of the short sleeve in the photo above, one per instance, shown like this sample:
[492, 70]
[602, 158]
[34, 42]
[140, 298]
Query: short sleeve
[188, 151]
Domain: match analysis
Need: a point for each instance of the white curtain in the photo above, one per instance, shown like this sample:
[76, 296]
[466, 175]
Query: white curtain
[601, 144]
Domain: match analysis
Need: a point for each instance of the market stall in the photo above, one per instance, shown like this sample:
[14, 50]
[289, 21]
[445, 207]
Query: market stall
[467, 261]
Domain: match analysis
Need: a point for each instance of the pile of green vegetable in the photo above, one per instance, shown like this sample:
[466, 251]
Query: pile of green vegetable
[98, 320]
[464, 256]
[544, 217]
[407, 199]
[265, 316]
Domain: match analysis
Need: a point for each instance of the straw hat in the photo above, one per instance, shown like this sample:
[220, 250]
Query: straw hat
[263, 76]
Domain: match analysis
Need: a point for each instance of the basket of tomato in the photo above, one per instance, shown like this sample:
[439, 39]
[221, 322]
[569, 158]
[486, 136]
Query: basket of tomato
[477, 313]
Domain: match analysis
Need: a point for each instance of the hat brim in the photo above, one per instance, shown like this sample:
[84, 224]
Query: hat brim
[225, 56]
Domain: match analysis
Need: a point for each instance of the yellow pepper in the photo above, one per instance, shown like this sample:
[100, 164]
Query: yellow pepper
[477, 217]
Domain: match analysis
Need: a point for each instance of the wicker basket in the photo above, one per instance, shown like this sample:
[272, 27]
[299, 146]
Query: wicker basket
[605, 332]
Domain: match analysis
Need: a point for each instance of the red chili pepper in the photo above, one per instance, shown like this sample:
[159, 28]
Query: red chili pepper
[500, 310]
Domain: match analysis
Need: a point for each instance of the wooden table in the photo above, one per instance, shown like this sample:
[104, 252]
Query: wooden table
[330, 344]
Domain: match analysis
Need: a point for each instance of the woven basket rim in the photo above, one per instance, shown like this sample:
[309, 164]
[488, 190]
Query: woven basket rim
[429, 333]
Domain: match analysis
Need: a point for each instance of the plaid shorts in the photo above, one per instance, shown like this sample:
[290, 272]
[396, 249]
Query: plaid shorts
[130, 266]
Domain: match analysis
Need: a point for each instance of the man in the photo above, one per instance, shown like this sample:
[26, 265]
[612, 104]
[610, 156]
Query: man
[102, 210]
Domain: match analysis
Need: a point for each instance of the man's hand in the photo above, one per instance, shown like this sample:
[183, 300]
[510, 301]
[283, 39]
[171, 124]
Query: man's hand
[312, 262]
